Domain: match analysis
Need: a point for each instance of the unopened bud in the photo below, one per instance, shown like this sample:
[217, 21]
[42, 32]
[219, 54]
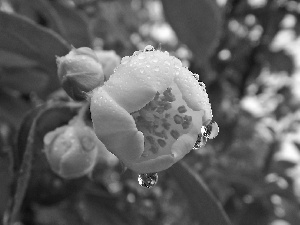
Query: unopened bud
[71, 150]
[80, 72]
[109, 61]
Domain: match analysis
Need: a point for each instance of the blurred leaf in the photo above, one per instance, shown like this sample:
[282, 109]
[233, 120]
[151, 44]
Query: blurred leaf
[22, 37]
[12, 108]
[6, 141]
[41, 12]
[75, 24]
[103, 211]
[204, 207]
[280, 61]
[58, 16]
[197, 23]
[58, 214]
[25, 80]
[10, 59]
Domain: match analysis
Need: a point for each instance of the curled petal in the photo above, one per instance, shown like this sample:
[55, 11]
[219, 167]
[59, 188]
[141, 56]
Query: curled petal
[115, 127]
[195, 96]
[138, 79]
[153, 165]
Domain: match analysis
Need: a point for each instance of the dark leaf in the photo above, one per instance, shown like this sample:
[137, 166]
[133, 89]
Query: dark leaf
[103, 211]
[6, 140]
[41, 12]
[197, 23]
[75, 25]
[20, 36]
[58, 16]
[25, 80]
[204, 207]
[12, 108]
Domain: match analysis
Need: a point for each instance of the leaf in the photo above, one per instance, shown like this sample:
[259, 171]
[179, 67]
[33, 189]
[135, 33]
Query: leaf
[60, 17]
[12, 108]
[25, 80]
[76, 25]
[103, 211]
[41, 12]
[204, 207]
[21, 36]
[30, 143]
[10, 59]
[197, 23]
[6, 142]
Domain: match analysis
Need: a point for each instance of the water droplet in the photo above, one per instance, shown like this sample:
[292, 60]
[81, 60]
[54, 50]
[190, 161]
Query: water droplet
[156, 69]
[201, 142]
[155, 60]
[149, 48]
[147, 180]
[141, 70]
[167, 63]
[211, 130]
[148, 65]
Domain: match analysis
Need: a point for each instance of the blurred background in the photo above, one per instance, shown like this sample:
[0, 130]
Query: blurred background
[247, 52]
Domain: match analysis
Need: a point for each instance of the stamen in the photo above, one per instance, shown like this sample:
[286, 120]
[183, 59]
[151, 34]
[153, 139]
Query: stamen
[161, 142]
[178, 119]
[181, 109]
[175, 134]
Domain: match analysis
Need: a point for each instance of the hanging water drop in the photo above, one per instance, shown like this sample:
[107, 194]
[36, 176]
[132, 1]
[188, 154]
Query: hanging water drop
[149, 48]
[201, 142]
[211, 130]
[147, 180]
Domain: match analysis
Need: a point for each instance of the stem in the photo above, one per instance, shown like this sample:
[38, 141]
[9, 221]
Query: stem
[82, 112]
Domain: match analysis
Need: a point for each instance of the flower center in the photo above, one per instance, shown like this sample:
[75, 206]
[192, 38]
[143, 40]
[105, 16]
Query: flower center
[162, 121]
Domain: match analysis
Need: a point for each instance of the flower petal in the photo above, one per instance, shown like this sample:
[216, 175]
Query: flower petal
[115, 127]
[194, 93]
[139, 77]
[184, 144]
[153, 165]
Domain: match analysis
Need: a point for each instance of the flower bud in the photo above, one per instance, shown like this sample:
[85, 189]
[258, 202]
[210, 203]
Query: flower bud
[109, 61]
[80, 72]
[72, 150]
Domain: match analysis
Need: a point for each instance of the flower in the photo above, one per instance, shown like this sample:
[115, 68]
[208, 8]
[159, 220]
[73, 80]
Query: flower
[109, 61]
[79, 72]
[150, 111]
[72, 150]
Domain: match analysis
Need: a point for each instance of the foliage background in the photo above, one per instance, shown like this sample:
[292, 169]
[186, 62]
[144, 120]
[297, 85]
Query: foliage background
[247, 54]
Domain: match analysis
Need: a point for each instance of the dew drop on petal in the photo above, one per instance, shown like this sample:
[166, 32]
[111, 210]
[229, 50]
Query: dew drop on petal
[149, 48]
[148, 180]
